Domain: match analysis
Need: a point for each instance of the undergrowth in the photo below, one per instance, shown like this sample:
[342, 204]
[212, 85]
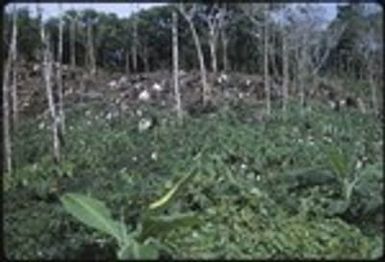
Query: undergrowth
[264, 189]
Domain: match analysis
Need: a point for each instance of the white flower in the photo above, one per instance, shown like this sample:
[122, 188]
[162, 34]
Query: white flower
[157, 87]
[109, 116]
[358, 164]
[222, 78]
[36, 67]
[122, 80]
[41, 125]
[144, 124]
[144, 95]
[243, 166]
[154, 156]
[248, 82]
[112, 84]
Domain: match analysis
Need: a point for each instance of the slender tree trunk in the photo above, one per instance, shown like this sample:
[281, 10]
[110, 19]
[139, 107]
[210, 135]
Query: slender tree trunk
[91, 50]
[6, 125]
[47, 62]
[206, 89]
[134, 46]
[213, 53]
[13, 54]
[372, 86]
[73, 41]
[60, 74]
[145, 59]
[224, 51]
[176, 64]
[302, 73]
[285, 69]
[266, 67]
[127, 62]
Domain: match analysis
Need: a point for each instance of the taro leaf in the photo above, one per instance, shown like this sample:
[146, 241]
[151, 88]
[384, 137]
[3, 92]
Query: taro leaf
[161, 225]
[163, 201]
[135, 250]
[91, 212]
[338, 207]
[377, 253]
[338, 162]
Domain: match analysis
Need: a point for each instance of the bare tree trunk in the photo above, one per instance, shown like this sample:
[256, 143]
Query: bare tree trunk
[134, 46]
[73, 41]
[91, 53]
[13, 55]
[60, 74]
[301, 73]
[127, 62]
[145, 59]
[47, 65]
[266, 67]
[372, 86]
[5, 117]
[224, 51]
[285, 69]
[176, 64]
[206, 88]
[213, 53]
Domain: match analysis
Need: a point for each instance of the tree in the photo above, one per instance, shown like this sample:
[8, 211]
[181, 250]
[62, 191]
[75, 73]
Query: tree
[188, 15]
[135, 44]
[14, 55]
[60, 74]
[214, 18]
[252, 11]
[47, 65]
[175, 63]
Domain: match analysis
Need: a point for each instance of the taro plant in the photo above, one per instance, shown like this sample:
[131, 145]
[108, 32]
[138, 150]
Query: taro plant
[343, 167]
[142, 242]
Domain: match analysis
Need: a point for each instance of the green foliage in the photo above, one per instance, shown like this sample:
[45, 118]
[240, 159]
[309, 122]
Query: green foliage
[95, 214]
[260, 189]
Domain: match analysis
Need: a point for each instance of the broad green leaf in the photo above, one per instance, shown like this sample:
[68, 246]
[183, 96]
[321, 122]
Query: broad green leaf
[169, 195]
[135, 250]
[338, 162]
[161, 225]
[91, 212]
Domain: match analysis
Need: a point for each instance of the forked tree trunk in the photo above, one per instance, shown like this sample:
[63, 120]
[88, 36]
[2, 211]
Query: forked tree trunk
[206, 87]
[176, 64]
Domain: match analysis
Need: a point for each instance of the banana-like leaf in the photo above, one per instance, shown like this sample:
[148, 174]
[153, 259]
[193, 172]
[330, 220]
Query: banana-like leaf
[163, 201]
[135, 250]
[154, 226]
[338, 162]
[92, 212]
